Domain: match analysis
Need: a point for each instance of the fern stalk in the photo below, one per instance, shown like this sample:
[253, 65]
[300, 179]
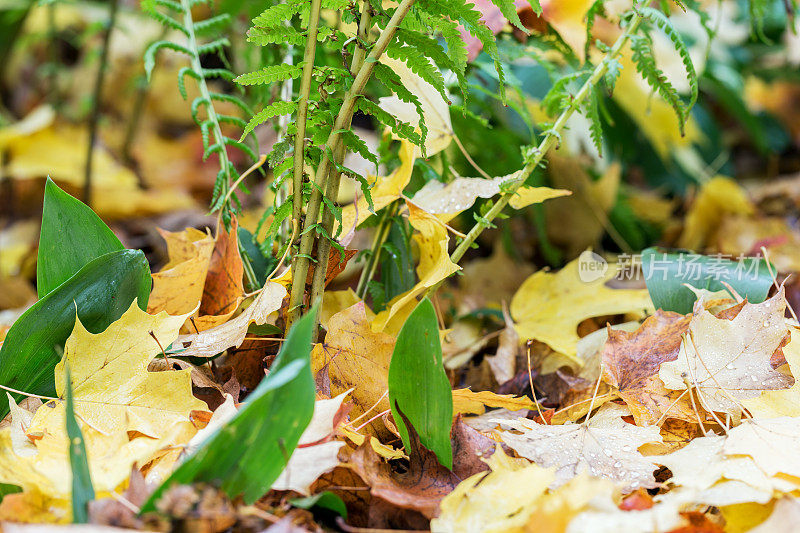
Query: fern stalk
[550, 140]
[96, 102]
[205, 94]
[334, 178]
[301, 260]
[302, 111]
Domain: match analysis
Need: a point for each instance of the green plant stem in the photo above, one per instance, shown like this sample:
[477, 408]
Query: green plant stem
[381, 234]
[334, 177]
[301, 260]
[219, 139]
[96, 101]
[549, 141]
[302, 112]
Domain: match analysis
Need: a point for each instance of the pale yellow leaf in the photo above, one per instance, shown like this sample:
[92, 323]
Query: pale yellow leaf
[727, 361]
[467, 402]
[549, 306]
[607, 446]
[499, 502]
[434, 262]
[231, 334]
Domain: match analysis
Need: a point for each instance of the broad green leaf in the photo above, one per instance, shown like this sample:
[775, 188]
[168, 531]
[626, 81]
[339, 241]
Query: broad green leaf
[72, 235]
[666, 274]
[248, 454]
[100, 292]
[418, 383]
[324, 500]
[82, 489]
[6, 489]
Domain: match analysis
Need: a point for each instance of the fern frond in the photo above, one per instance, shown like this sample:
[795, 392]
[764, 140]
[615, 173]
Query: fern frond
[646, 66]
[275, 109]
[281, 34]
[402, 129]
[219, 97]
[270, 74]
[595, 9]
[392, 81]
[509, 11]
[211, 24]
[420, 65]
[613, 70]
[591, 109]
[216, 46]
[182, 73]
[152, 50]
[221, 73]
[277, 15]
[664, 24]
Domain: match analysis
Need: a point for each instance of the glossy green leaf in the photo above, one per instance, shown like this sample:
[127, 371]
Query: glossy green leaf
[82, 489]
[324, 500]
[248, 454]
[666, 274]
[419, 384]
[72, 235]
[100, 292]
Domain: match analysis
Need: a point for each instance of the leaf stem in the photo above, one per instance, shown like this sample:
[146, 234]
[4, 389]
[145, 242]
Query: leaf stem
[302, 111]
[219, 139]
[381, 234]
[321, 183]
[549, 141]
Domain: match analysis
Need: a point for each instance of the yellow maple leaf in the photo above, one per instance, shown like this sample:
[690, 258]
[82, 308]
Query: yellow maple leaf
[467, 402]
[501, 501]
[778, 403]
[549, 306]
[355, 357]
[434, 266]
[127, 414]
[178, 287]
[718, 197]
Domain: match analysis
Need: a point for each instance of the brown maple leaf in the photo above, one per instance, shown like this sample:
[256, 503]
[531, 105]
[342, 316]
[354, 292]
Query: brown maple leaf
[631, 361]
[420, 487]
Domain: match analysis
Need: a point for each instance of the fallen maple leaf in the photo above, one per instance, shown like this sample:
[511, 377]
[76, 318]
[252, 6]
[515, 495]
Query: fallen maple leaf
[720, 479]
[178, 287]
[223, 289]
[784, 518]
[355, 357]
[631, 361]
[467, 402]
[727, 361]
[772, 443]
[606, 446]
[127, 414]
[500, 500]
[421, 487]
[549, 306]
[778, 403]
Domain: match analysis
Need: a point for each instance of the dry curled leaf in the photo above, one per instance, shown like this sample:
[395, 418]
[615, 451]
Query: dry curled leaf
[419, 487]
[354, 357]
[631, 361]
